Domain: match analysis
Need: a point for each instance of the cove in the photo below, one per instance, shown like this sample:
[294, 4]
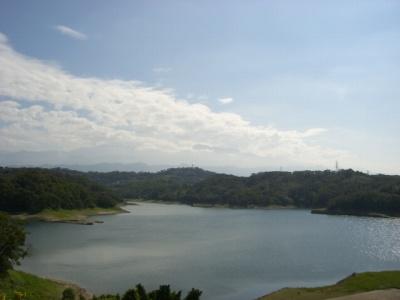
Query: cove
[227, 253]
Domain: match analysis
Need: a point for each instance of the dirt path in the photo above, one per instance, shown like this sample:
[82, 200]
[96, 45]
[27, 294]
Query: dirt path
[392, 294]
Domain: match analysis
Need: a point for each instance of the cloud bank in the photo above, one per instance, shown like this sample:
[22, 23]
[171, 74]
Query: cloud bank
[44, 108]
[70, 32]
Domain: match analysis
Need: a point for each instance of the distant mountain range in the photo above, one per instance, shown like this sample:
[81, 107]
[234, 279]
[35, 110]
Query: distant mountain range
[54, 159]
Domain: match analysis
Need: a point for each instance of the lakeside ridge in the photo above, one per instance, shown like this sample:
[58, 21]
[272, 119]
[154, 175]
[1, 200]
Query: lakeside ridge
[355, 284]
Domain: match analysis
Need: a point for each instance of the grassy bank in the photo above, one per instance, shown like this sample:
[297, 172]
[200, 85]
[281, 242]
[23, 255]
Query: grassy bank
[34, 288]
[354, 284]
[79, 216]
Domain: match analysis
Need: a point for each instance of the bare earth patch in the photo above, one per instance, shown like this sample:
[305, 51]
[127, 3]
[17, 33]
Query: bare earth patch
[391, 294]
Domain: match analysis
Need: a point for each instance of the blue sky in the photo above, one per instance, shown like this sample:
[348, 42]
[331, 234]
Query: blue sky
[287, 67]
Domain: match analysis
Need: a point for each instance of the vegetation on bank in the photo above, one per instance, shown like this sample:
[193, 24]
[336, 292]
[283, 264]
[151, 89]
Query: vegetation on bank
[164, 292]
[26, 190]
[20, 285]
[354, 284]
[24, 286]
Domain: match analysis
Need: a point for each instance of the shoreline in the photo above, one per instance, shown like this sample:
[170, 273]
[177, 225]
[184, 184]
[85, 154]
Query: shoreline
[324, 211]
[138, 201]
[70, 216]
[269, 207]
[321, 211]
[209, 205]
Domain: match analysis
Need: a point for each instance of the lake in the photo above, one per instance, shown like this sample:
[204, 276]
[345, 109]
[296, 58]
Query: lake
[234, 254]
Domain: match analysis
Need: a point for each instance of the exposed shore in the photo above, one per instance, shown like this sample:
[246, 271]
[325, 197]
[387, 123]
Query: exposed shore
[72, 216]
[324, 211]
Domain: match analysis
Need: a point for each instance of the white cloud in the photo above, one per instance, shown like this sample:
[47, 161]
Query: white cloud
[50, 109]
[70, 32]
[225, 100]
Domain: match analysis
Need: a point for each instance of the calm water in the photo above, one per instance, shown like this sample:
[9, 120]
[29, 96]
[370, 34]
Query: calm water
[229, 254]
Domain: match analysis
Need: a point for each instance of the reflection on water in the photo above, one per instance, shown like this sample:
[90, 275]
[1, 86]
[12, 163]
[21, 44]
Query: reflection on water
[380, 237]
[229, 254]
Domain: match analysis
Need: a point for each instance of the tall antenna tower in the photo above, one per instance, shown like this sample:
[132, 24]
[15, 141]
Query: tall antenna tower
[337, 166]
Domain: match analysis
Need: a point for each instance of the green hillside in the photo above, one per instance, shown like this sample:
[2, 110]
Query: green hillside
[33, 190]
[353, 284]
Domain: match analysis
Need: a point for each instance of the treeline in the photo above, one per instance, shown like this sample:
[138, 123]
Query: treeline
[32, 190]
[345, 190]
[164, 292]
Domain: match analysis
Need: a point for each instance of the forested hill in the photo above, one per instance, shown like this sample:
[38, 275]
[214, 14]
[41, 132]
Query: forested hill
[169, 185]
[32, 190]
[345, 190]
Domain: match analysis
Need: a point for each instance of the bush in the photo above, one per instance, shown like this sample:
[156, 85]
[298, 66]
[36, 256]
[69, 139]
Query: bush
[68, 294]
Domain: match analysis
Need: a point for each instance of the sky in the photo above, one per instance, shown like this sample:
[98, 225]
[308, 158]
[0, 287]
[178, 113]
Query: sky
[265, 85]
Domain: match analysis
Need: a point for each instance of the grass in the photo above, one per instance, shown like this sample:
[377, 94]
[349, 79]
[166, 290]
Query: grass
[35, 288]
[356, 283]
[51, 215]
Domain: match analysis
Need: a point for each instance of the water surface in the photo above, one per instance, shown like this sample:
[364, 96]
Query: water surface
[230, 254]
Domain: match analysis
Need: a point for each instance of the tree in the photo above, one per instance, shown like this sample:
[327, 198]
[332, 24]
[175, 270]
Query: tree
[12, 241]
[130, 295]
[141, 292]
[194, 294]
[164, 292]
[68, 294]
